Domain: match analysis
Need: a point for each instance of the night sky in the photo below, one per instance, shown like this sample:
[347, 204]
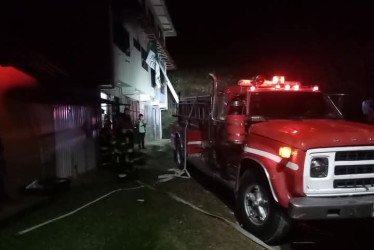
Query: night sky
[326, 43]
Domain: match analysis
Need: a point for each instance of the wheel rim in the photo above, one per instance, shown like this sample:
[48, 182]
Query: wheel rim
[256, 204]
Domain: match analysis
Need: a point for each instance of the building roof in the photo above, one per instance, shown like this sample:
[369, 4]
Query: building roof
[161, 13]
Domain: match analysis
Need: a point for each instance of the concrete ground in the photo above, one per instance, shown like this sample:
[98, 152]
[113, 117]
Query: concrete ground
[148, 218]
[129, 219]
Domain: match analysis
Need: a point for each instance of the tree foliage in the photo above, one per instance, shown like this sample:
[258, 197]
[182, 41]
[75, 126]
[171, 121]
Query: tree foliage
[191, 82]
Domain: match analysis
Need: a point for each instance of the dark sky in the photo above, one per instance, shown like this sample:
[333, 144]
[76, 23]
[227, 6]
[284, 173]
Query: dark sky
[315, 41]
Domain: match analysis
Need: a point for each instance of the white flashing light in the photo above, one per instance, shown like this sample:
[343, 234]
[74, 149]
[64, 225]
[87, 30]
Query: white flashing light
[315, 88]
[244, 82]
[287, 87]
[275, 79]
[253, 88]
[278, 79]
[296, 87]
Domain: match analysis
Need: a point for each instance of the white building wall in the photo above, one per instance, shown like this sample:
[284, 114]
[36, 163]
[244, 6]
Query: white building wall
[136, 82]
[128, 70]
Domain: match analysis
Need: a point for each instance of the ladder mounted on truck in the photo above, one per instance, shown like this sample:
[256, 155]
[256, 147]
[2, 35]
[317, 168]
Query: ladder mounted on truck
[200, 106]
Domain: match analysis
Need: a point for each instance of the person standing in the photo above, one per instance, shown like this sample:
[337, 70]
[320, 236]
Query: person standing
[140, 128]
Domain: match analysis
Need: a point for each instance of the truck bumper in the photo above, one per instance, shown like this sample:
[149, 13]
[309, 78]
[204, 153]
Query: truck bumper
[315, 208]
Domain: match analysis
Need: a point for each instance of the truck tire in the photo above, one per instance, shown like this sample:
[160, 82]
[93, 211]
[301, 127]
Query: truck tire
[257, 211]
[179, 154]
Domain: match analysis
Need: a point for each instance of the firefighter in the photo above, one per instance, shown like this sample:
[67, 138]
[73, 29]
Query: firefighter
[368, 110]
[105, 141]
[123, 144]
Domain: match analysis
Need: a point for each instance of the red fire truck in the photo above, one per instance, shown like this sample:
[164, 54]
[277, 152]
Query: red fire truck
[283, 148]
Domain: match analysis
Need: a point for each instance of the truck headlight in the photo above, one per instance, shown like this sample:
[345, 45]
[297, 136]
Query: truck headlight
[319, 167]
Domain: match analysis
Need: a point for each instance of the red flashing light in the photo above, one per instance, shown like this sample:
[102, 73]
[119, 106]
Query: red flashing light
[296, 87]
[287, 87]
[253, 88]
[277, 86]
[315, 88]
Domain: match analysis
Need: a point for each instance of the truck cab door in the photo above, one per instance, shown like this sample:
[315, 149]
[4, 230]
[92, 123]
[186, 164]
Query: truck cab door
[217, 135]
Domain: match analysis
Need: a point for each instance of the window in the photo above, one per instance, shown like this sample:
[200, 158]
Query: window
[144, 58]
[221, 107]
[136, 44]
[121, 38]
[163, 85]
[292, 105]
[151, 19]
[153, 78]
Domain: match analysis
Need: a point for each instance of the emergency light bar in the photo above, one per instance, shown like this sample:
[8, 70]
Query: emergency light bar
[258, 80]
[278, 82]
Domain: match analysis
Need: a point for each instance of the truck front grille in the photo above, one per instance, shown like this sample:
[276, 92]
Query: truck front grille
[354, 183]
[350, 171]
[354, 169]
[358, 155]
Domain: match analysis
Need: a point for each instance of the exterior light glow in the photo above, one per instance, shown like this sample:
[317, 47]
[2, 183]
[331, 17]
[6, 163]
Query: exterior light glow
[244, 82]
[296, 87]
[253, 88]
[275, 79]
[315, 88]
[278, 79]
[277, 86]
[287, 87]
[285, 152]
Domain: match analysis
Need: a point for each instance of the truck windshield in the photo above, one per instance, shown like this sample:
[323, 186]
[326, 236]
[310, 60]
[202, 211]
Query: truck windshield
[292, 105]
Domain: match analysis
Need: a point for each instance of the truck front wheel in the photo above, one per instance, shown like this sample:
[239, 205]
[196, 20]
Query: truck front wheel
[258, 212]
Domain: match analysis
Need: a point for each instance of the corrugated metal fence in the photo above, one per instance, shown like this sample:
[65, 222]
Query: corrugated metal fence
[75, 149]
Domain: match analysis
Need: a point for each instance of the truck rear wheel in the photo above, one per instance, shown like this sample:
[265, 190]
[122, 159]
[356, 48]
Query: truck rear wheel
[257, 211]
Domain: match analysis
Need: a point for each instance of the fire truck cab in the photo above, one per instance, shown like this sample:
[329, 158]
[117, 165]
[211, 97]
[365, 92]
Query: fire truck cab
[283, 148]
